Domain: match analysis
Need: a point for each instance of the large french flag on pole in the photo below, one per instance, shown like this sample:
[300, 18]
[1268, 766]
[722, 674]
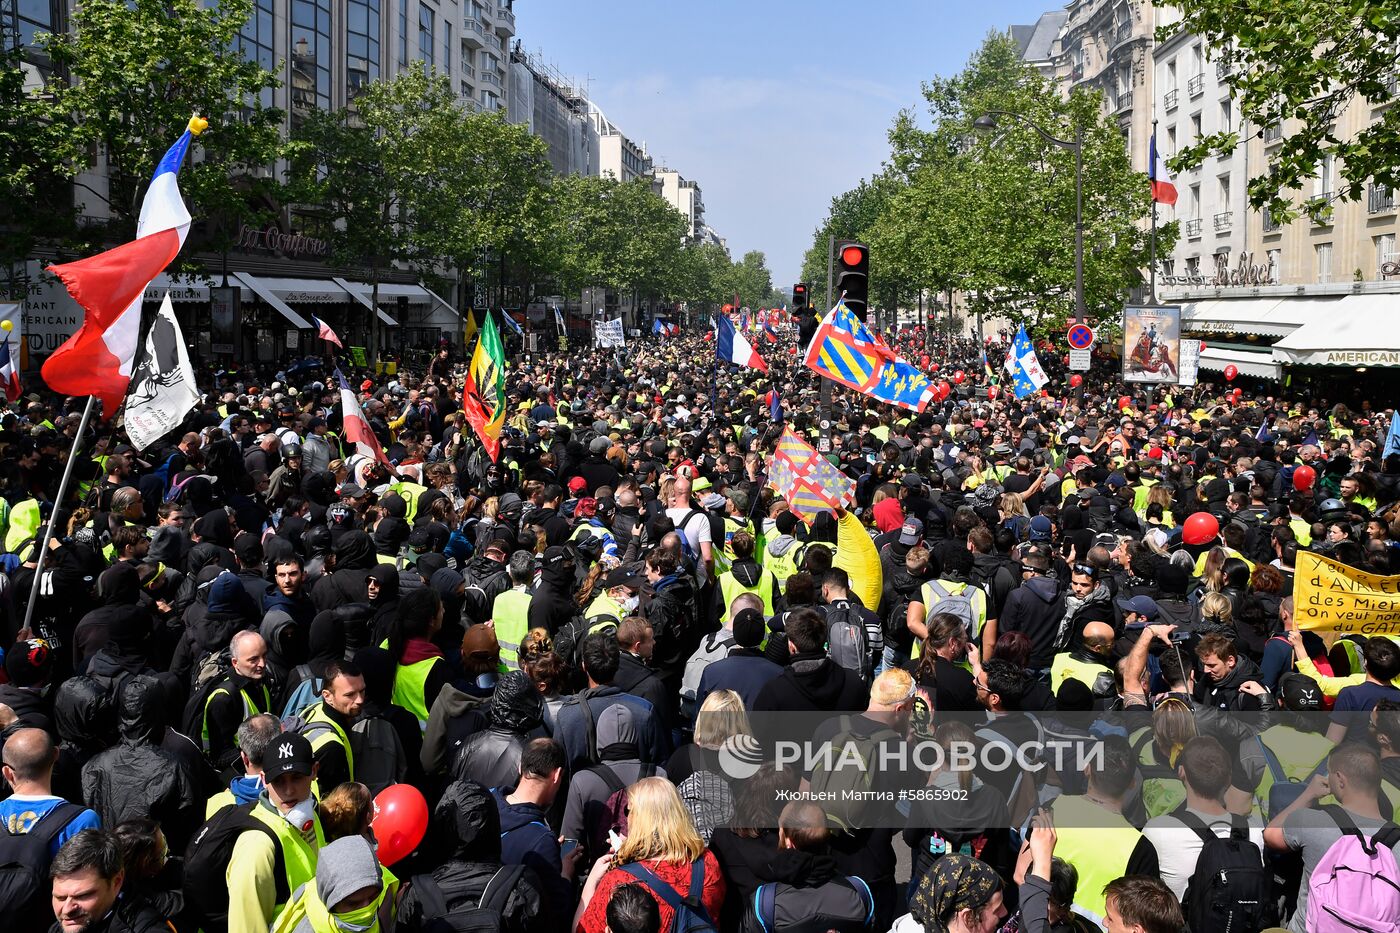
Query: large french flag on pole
[1163, 191]
[109, 287]
[732, 347]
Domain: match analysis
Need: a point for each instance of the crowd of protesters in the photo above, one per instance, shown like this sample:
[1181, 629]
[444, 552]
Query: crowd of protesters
[248, 637]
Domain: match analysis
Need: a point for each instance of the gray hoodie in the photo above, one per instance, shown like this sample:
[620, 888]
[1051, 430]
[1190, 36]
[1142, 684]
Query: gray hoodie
[618, 749]
[342, 868]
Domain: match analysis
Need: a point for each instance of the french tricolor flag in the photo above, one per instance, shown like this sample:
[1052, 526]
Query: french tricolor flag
[323, 330]
[732, 347]
[1163, 191]
[109, 287]
[355, 427]
[9, 370]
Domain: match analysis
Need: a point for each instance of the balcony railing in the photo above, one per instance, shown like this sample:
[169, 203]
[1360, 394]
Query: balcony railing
[469, 69]
[1223, 70]
[489, 77]
[505, 20]
[1124, 100]
[1123, 33]
[1319, 208]
[1273, 134]
[1271, 224]
[1380, 200]
[1169, 99]
[1196, 86]
[474, 33]
[1224, 221]
[1192, 228]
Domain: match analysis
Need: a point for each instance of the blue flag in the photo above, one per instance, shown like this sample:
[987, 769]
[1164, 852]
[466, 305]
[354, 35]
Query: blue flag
[1026, 375]
[1392, 439]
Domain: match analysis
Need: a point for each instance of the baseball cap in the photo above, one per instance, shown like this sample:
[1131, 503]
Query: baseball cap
[624, 577]
[911, 532]
[1041, 528]
[1085, 493]
[291, 752]
[912, 481]
[1142, 605]
[350, 490]
[1300, 692]
[578, 484]
[29, 663]
[420, 539]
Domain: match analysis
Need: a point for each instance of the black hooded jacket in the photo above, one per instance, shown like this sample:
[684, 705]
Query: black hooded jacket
[119, 588]
[354, 558]
[467, 827]
[492, 756]
[552, 606]
[82, 713]
[137, 779]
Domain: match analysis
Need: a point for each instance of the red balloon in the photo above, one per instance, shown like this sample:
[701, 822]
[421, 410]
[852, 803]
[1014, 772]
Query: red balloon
[1231, 372]
[992, 392]
[1237, 393]
[944, 390]
[923, 360]
[400, 821]
[1123, 402]
[959, 376]
[706, 336]
[792, 351]
[934, 368]
[1304, 477]
[1200, 528]
[1076, 380]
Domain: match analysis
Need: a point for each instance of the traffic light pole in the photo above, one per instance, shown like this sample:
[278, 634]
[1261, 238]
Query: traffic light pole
[824, 410]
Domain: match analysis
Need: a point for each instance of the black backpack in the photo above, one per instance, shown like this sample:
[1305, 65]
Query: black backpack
[1230, 890]
[488, 916]
[206, 866]
[24, 869]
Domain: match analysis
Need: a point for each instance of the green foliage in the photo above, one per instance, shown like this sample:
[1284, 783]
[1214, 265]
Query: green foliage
[1298, 64]
[992, 215]
[751, 281]
[136, 72]
[856, 215]
[620, 235]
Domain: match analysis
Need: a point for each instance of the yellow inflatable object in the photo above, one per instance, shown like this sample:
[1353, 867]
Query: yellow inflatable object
[856, 554]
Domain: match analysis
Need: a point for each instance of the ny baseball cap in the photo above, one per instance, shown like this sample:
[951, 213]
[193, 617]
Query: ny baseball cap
[291, 752]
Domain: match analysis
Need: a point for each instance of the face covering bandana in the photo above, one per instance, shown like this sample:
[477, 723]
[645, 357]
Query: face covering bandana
[362, 920]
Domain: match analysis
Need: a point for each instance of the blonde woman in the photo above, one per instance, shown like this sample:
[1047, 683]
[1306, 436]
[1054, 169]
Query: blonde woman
[722, 716]
[660, 847]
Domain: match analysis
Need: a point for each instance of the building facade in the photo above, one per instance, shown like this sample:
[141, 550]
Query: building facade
[684, 195]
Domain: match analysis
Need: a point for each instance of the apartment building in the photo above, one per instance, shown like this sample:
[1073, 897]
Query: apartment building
[684, 196]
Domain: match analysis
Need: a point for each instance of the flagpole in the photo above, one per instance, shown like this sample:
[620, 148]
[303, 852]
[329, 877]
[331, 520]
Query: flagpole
[1152, 254]
[43, 543]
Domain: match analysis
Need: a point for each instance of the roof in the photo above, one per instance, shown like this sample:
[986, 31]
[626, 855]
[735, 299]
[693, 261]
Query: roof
[1038, 45]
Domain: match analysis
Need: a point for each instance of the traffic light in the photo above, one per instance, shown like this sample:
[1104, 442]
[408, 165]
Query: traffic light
[853, 275]
[800, 298]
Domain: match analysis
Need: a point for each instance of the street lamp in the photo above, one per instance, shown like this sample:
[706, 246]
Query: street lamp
[988, 121]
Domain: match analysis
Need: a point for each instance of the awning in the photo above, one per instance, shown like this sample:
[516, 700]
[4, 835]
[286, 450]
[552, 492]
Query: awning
[264, 290]
[1235, 316]
[307, 291]
[182, 288]
[1251, 363]
[1356, 330]
[362, 293]
[438, 298]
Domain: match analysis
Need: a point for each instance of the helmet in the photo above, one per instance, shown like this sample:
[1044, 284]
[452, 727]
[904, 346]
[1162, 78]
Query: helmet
[1331, 510]
[289, 451]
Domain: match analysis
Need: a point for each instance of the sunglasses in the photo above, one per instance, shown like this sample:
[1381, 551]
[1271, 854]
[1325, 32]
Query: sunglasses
[1085, 569]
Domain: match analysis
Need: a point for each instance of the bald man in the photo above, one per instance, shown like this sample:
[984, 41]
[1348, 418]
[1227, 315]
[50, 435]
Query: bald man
[243, 692]
[1088, 662]
[29, 756]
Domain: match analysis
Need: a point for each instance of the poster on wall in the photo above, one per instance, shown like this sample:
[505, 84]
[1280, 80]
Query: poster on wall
[1152, 344]
[1188, 367]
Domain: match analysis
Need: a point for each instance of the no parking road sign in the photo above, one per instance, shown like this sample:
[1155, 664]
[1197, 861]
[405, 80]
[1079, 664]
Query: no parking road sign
[1081, 336]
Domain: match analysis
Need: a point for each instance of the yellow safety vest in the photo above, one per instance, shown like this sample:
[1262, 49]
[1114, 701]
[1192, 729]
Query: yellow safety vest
[409, 683]
[1302, 531]
[930, 598]
[724, 556]
[317, 914]
[784, 565]
[731, 589]
[409, 492]
[1297, 752]
[250, 707]
[602, 605]
[298, 855]
[511, 613]
[1140, 494]
[1098, 843]
[321, 730]
[1066, 667]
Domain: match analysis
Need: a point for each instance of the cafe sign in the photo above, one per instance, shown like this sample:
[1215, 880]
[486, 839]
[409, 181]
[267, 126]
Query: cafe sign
[272, 239]
[1245, 274]
[1338, 357]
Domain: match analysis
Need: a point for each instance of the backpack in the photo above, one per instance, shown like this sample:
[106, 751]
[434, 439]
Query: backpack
[614, 813]
[690, 915]
[1024, 795]
[955, 604]
[847, 642]
[568, 642]
[24, 868]
[379, 756]
[707, 796]
[306, 691]
[714, 647]
[895, 606]
[765, 904]
[1356, 886]
[206, 865]
[1229, 890]
[488, 916]
[1284, 791]
[209, 676]
[846, 784]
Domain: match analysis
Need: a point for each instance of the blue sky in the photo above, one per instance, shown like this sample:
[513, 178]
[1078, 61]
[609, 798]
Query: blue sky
[743, 97]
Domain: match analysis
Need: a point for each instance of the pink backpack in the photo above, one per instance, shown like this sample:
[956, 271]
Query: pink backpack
[1356, 886]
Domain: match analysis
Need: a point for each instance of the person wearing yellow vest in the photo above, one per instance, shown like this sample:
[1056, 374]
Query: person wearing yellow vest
[256, 895]
[735, 521]
[746, 576]
[1094, 837]
[783, 555]
[254, 736]
[510, 612]
[351, 892]
[327, 725]
[1292, 748]
[420, 671]
[935, 595]
[242, 693]
[1087, 662]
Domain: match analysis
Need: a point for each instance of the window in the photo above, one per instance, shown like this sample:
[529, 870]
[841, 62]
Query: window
[311, 58]
[1385, 249]
[1171, 75]
[1168, 267]
[28, 18]
[1195, 126]
[256, 41]
[1226, 116]
[1324, 262]
[1224, 182]
[1193, 265]
[1198, 60]
[1275, 265]
[403, 34]
[427, 19]
[362, 44]
[1171, 141]
[1322, 184]
[1195, 200]
[447, 46]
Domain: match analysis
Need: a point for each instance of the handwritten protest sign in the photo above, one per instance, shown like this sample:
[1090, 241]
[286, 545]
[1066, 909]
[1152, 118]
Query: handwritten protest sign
[1331, 598]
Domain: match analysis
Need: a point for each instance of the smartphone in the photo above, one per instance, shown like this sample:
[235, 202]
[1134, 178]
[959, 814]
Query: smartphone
[567, 846]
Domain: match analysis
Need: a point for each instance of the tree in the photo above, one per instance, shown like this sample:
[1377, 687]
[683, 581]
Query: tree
[127, 78]
[855, 215]
[992, 215]
[751, 281]
[617, 235]
[1296, 67]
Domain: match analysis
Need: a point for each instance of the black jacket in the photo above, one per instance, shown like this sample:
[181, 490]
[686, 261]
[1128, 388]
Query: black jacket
[492, 757]
[552, 606]
[810, 683]
[597, 471]
[138, 779]
[1226, 694]
[82, 712]
[811, 896]
[354, 558]
[674, 625]
[1035, 608]
[635, 677]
